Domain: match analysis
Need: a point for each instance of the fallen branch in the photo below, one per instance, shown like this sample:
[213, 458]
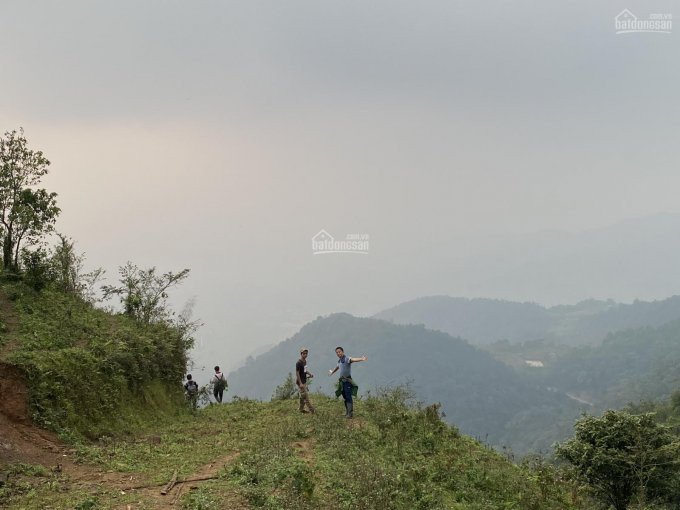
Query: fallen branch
[170, 484]
[187, 480]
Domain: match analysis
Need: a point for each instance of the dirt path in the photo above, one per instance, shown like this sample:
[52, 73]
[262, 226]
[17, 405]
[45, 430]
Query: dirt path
[171, 501]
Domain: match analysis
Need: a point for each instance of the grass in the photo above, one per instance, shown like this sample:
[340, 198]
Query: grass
[273, 457]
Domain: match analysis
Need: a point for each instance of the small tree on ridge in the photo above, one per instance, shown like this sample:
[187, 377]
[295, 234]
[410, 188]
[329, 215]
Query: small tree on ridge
[26, 214]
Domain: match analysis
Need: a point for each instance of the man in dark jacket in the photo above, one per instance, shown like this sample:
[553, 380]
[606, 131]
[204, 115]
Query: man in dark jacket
[301, 376]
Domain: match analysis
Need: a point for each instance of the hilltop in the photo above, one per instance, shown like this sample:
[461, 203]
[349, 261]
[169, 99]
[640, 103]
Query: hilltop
[478, 393]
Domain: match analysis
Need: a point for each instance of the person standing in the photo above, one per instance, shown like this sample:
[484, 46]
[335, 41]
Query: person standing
[191, 388]
[346, 384]
[219, 384]
[301, 376]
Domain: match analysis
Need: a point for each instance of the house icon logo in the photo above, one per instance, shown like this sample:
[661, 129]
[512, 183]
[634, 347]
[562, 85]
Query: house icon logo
[624, 16]
[322, 236]
[626, 22]
[323, 243]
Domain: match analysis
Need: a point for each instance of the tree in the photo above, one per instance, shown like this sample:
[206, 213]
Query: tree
[622, 456]
[26, 214]
[143, 292]
[67, 269]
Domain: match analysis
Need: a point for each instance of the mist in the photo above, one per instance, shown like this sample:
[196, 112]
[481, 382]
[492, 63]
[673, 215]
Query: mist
[486, 150]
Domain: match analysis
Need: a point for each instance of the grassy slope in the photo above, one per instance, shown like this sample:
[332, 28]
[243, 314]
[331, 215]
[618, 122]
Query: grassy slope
[386, 458]
[91, 373]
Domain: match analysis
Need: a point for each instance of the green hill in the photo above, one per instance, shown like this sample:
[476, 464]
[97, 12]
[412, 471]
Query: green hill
[484, 321]
[481, 395]
[88, 372]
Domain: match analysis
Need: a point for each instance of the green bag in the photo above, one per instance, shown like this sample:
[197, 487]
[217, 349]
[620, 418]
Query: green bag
[221, 383]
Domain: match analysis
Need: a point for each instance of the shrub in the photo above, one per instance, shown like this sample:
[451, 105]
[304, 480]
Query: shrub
[286, 390]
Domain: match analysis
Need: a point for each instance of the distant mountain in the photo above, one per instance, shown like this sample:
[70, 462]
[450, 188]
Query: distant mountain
[481, 395]
[479, 321]
[633, 259]
[484, 321]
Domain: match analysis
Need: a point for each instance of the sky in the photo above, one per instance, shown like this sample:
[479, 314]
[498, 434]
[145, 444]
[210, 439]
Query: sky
[221, 136]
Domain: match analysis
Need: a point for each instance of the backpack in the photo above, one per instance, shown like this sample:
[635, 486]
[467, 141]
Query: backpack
[220, 383]
[192, 387]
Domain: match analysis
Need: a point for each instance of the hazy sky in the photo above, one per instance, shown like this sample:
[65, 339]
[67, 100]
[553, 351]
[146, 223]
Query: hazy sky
[221, 136]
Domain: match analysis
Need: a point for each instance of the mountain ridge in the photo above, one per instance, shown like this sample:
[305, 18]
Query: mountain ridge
[483, 320]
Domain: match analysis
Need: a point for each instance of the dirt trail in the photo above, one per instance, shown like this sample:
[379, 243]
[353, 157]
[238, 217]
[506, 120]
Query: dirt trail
[171, 501]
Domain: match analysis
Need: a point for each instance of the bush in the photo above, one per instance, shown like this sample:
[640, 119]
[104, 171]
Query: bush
[38, 272]
[286, 390]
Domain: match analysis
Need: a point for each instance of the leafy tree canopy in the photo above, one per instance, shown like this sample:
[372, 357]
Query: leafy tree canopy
[27, 214]
[623, 457]
[144, 292]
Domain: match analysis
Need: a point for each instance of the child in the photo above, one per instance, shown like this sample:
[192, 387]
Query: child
[191, 388]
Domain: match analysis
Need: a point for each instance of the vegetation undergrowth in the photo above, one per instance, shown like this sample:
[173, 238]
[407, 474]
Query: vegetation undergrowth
[390, 456]
[92, 373]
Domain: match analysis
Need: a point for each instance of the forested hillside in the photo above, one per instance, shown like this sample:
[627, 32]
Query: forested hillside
[628, 366]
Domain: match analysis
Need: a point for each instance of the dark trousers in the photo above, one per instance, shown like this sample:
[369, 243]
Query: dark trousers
[347, 391]
[218, 394]
[347, 396]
